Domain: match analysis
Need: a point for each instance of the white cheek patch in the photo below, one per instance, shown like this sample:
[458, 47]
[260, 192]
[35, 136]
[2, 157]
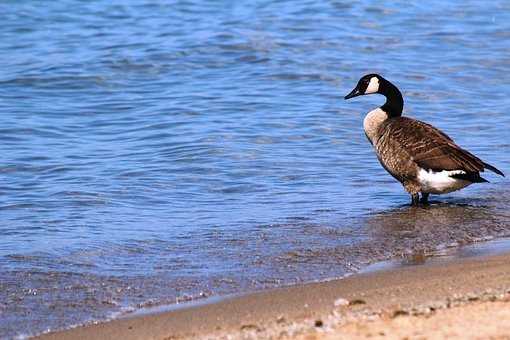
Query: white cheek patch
[373, 86]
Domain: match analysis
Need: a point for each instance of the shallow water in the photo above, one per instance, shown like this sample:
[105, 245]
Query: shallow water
[155, 152]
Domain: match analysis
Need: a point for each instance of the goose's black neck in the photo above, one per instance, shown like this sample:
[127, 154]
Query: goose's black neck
[394, 101]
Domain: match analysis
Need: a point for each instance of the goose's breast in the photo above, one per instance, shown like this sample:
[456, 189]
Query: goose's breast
[372, 123]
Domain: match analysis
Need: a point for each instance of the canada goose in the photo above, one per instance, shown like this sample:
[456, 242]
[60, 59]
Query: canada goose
[424, 159]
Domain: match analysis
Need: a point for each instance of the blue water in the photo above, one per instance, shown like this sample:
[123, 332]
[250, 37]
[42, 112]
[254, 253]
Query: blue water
[159, 151]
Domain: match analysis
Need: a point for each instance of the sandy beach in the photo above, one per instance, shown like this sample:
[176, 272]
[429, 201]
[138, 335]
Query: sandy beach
[461, 298]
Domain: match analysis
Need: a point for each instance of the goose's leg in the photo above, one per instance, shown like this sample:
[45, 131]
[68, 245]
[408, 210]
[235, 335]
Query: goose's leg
[413, 188]
[424, 198]
[415, 199]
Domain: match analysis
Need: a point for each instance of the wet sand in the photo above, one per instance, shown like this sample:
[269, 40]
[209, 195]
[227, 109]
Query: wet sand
[462, 298]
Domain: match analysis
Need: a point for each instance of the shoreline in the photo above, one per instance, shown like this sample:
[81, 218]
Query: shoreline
[321, 309]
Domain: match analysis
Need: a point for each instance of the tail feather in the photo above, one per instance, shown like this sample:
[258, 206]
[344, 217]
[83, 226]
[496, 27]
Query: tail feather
[473, 177]
[493, 169]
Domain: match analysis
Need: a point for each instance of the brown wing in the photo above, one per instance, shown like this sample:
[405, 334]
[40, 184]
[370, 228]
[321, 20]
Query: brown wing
[429, 147]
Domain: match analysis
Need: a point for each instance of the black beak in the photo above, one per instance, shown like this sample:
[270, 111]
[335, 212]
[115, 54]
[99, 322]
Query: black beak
[354, 93]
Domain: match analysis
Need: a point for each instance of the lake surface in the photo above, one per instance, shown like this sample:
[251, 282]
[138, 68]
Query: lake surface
[154, 152]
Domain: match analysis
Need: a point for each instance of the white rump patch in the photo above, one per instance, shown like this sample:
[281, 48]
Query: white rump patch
[373, 86]
[440, 182]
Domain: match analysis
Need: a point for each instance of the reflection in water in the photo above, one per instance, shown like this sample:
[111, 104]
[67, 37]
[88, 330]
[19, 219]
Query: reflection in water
[412, 234]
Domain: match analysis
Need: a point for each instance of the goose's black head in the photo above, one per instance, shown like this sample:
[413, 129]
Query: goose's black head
[374, 83]
[370, 83]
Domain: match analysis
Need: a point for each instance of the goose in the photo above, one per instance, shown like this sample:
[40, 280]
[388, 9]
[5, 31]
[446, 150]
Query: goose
[421, 157]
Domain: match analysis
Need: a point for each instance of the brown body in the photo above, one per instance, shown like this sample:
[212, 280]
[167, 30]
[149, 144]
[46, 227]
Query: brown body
[404, 146]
